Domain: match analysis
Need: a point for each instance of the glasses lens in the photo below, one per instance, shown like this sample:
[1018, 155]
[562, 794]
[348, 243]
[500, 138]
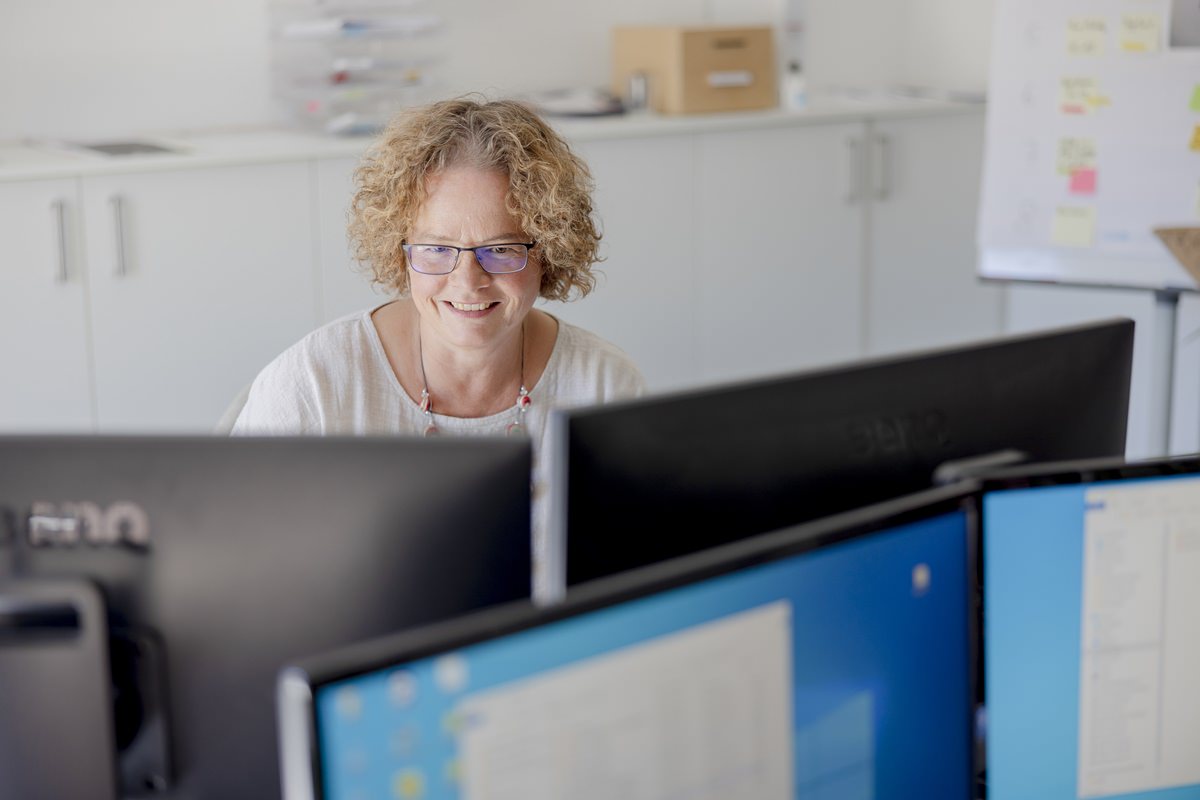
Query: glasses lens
[503, 257]
[431, 259]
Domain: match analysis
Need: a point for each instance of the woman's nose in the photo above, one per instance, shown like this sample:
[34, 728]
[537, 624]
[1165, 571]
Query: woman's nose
[469, 272]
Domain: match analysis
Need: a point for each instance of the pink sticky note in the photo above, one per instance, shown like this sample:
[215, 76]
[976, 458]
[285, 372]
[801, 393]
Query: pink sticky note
[1083, 181]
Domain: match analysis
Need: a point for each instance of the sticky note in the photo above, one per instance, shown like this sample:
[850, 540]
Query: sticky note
[1196, 140]
[1075, 154]
[1074, 226]
[1083, 181]
[1086, 36]
[1080, 96]
[1140, 33]
[1195, 104]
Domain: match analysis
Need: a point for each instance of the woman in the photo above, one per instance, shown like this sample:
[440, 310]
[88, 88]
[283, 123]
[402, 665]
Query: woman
[468, 212]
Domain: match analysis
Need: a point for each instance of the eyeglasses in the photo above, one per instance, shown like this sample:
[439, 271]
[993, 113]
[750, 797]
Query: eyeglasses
[441, 259]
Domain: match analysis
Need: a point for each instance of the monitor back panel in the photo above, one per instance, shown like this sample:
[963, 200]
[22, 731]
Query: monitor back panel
[656, 478]
[227, 557]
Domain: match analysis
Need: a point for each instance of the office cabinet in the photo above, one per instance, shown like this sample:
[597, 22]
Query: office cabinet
[778, 250]
[197, 279]
[921, 199]
[46, 381]
[645, 295]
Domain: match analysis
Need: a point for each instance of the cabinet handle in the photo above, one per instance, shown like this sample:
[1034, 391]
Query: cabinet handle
[59, 209]
[855, 148]
[883, 178]
[118, 206]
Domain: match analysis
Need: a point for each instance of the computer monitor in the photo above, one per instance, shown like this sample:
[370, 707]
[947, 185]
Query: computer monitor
[218, 560]
[644, 480]
[832, 660]
[1091, 576]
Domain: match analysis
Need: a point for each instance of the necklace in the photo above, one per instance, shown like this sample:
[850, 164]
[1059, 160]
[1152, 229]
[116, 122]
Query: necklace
[522, 405]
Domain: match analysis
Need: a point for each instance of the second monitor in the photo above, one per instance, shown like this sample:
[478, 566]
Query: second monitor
[646, 480]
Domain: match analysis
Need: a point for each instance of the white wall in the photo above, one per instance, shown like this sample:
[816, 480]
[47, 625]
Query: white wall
[947, 43]
[87, 69]
[81, 68]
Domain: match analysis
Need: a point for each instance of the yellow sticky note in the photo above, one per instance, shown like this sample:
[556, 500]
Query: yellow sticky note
[1080, 95]
[1196, 140]
[1140, 33]
[1195, 104]
[1076, 154]
[1086, 36]
[1074, 226]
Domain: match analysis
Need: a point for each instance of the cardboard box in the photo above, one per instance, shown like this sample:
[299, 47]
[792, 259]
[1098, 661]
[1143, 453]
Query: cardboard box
[691, 70]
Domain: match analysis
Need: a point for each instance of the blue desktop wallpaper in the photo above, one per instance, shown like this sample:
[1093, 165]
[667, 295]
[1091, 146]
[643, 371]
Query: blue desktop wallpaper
[1033, 597]
[870, 652]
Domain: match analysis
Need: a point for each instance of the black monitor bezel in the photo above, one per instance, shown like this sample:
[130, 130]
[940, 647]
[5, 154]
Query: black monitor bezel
[406, 647]
[1098, 470]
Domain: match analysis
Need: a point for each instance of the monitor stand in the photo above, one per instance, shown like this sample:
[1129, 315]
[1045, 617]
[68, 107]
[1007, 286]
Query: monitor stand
[962, 469]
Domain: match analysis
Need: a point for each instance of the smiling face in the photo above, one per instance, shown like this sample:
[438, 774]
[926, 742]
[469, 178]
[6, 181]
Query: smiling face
[470, 308]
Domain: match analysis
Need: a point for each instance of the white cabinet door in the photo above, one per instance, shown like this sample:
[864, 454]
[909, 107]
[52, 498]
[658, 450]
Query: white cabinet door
[43, 312]
[924, 186]
[778, 249]
[198, 278]
[345, 287]
[644, 300]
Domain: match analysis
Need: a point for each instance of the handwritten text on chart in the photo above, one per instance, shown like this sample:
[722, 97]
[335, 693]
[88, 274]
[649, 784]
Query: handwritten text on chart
[1086, 36]
[1075, 154]
[1140, 33]
[1081, 96]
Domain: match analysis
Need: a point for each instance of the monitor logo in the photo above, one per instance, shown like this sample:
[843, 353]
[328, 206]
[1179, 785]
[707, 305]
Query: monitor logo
[76, 523]
[915, 433]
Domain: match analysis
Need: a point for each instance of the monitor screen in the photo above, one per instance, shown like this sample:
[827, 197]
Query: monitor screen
[217, 561]
[1092, 648]
[658, 477]
[836, 672]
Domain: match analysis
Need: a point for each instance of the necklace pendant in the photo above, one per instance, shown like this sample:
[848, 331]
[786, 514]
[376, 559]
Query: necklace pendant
[514, 429]
[431, 430]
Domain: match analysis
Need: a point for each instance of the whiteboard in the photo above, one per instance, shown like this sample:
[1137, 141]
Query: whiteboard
[1093, 140]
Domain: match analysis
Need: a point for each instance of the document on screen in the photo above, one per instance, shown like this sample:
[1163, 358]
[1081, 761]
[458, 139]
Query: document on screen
[1139, 701]
[702, 713]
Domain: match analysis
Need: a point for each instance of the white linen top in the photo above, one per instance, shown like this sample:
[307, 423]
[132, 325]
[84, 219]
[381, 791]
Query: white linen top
[337, 380]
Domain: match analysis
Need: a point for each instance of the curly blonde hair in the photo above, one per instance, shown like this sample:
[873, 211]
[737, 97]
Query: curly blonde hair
[549, 188]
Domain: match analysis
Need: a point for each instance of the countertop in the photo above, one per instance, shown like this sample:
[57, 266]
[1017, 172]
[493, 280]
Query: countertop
[33, 159]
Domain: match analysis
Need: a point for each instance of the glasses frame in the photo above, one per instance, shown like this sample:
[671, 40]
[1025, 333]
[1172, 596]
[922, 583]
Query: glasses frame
[407, 247]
